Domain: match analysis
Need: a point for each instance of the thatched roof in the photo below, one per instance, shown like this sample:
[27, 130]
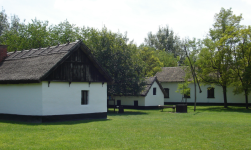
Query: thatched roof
[171, 74]
[35, 64]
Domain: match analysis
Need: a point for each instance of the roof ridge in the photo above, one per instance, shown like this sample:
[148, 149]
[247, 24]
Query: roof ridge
[39, 51]
[35, 56]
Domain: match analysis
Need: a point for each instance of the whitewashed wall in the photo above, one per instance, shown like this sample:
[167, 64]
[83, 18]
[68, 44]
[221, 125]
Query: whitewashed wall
[22, 99]
[60, 98]
[129, 100]
[202, 97]
[154, 100]
[149, 100]
[173, 96]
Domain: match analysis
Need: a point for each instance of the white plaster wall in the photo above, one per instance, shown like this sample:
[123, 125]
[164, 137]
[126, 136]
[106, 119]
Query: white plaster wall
[202, 97]
[154, 100]
[129, 100]
[60, 98]
[22, 99]
[173, 96]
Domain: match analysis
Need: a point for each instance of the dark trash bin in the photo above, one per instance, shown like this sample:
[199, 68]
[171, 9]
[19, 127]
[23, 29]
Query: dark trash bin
[121, 109]
[181, 108]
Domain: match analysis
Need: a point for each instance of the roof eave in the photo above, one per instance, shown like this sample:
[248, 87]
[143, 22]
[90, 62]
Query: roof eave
[18, 81]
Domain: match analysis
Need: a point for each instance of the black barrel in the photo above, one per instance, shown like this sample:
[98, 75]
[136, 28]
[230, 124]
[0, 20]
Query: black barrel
[181, 108]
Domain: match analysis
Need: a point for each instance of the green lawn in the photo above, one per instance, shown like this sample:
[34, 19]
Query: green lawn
[210, 127]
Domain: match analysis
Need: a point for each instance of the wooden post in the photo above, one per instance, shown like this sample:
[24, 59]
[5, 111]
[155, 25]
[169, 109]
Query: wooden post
[114, 105]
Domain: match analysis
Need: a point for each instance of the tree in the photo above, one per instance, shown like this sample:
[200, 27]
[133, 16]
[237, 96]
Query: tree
[242, 63]
[64, 32]
[152, 63]
[164, 39]
[118, 58]
[167, 58]
[183, 89]
[26, 36]
[4, 25]
[216, 57]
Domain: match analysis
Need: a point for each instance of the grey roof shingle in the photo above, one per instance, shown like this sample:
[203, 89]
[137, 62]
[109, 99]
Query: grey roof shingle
[171, 74]
[33, 65]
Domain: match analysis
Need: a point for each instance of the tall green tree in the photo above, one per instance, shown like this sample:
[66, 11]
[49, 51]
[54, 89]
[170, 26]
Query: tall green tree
[242, 64]
[164, 39]
[118, 57]
[215, 58]
[4, 24]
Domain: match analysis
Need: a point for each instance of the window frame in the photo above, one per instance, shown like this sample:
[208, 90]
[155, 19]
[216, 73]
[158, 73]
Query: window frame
[84, 101]
[167, 92]
[210, 92]
[154, 91]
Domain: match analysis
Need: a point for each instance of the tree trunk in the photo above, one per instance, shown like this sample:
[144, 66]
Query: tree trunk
[246, 97]
[225, 95]
[194, 95]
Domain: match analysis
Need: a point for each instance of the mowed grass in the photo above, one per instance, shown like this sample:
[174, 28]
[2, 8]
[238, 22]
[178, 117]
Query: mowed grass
[210, 127]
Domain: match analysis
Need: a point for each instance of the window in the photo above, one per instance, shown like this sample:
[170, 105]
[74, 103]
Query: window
[84, 98]
[136, 103]
[118, 102]
[154, 91]
[167, 92]
[210, 92]
[187, 95]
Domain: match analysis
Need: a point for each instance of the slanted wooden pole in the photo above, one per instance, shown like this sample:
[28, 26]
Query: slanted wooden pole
[194, 78]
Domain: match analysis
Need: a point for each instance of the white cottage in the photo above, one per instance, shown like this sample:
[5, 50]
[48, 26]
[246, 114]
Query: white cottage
[150, 97]
[52, 84]
[170, 77]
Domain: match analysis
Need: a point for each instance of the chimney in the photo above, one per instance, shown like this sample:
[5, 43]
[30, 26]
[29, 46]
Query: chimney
[3, 52]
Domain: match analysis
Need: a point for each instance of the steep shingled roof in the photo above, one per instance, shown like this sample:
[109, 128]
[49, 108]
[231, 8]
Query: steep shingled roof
[171, 74]
[35, 64]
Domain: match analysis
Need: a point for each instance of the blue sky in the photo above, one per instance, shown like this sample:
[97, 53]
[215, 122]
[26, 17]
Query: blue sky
[188, 18]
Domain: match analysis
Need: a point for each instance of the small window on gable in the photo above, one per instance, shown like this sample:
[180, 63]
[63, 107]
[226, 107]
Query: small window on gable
[210, 92]
[154, 91]
[84, 98]
[167, 92]
[187, 95]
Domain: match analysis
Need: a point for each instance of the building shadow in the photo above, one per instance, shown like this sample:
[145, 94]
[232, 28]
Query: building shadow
[126, 113]
[72, 122]
[239, 109]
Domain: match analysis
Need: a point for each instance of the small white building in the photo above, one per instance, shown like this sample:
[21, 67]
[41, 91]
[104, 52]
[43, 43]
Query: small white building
[170, 77]
[52, 84]
[150, 97]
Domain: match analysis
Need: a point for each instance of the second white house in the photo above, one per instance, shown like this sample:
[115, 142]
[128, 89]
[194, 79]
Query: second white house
[170, 77]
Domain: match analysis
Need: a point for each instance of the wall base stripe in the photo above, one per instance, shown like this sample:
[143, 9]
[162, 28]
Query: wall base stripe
[52, 118]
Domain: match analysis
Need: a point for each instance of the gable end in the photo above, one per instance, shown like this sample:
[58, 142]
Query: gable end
[76, 68]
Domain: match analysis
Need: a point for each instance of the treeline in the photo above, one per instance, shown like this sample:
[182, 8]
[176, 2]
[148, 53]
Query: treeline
[223, 58]
[127, 63]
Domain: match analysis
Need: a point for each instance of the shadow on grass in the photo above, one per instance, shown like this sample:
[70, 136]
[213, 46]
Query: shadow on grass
[240, 109]
[73, 122]
[126, 113]
[167, 111]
